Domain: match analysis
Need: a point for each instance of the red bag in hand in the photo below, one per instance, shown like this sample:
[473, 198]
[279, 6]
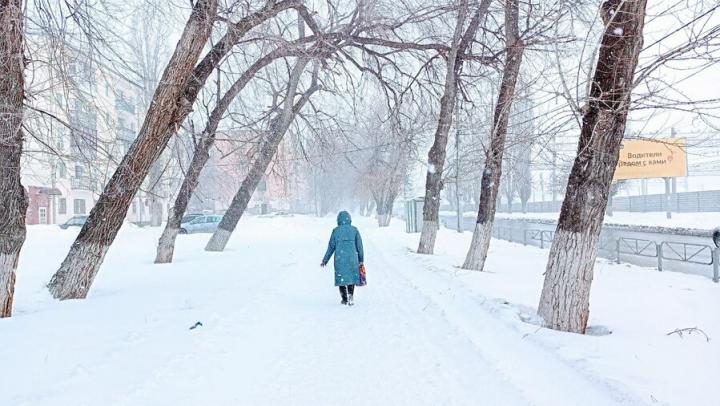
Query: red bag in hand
[363, 276]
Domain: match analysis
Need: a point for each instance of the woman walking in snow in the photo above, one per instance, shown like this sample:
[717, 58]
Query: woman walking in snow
[346, 244]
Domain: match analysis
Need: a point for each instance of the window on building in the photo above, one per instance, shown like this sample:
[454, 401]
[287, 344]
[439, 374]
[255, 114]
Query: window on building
[79, 171]
[79, 206]
[60, 143]
[62, 170]
[62, 205]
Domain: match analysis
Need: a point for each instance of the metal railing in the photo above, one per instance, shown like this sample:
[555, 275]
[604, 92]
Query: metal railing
[692, 253]
[543, 236]
[635, 246]
[626, 246]
[681, 202]
[81, 183]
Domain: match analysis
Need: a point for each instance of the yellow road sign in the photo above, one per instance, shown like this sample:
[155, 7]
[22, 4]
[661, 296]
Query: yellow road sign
[658, 158]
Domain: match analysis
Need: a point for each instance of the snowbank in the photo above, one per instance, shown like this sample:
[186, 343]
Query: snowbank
[639, 307]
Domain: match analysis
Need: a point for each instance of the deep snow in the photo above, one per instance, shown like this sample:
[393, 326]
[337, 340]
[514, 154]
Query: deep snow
[422, 333]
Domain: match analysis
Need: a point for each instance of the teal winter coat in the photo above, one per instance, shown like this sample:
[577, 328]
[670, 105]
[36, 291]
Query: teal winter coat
[346, 244]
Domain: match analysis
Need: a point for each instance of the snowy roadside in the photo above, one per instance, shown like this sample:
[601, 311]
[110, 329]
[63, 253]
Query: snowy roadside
[696, 221]
[426, 332]
[699, 221]
[638, 306]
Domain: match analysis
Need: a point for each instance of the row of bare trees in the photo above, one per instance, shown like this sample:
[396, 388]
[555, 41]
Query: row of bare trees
[344, 35]
[564, 303]
[358, 95]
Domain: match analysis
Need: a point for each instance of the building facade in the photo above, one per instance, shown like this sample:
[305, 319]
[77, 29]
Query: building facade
[83, 122]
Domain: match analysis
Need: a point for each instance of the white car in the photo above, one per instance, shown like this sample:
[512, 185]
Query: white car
[201, 224]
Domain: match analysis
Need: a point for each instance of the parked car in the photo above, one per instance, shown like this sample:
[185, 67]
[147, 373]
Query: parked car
[189, 217]
[201, 224]
[75, 221]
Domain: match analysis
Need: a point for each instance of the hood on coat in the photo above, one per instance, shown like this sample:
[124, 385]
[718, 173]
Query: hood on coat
[343, 218]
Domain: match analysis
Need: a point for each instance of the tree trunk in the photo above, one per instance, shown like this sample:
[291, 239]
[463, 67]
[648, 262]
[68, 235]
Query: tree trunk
[156, 212]
[385, 204]
[278, 127]
[13, 198]
[490, 183]
[437, 153]
[168, 110]
[169, 107]
[565, 299]
[166, 244]
[370, 207]
[201, 155]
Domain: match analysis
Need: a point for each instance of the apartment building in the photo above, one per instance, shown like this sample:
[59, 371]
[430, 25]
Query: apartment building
[85, 119]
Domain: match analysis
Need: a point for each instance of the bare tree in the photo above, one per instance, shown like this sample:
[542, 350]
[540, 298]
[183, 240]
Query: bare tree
[13, 198]
[277, 128]
[201, 153]
[523, 177]
[523, 130]
[388, 166]
[436, 156]
[173, 101]
[78, 270]
[148, 56]
[565, 298]
[387, 178]
[494, 156]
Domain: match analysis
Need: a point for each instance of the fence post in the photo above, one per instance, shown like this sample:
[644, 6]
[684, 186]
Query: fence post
[658, 248]
[617, 250]
[542, 239]
[525, 237]
[716, 265]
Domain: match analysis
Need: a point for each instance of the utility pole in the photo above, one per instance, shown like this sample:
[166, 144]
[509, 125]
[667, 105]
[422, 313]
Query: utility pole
[673, 133]
[457, 168]
[668, 212]
[670, 186]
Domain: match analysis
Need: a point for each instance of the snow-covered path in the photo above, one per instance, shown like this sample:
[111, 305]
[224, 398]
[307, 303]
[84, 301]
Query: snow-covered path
[282, 337]
[274, 332]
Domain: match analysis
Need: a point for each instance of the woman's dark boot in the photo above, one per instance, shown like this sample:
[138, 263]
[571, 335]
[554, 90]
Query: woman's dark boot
[343, 295]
